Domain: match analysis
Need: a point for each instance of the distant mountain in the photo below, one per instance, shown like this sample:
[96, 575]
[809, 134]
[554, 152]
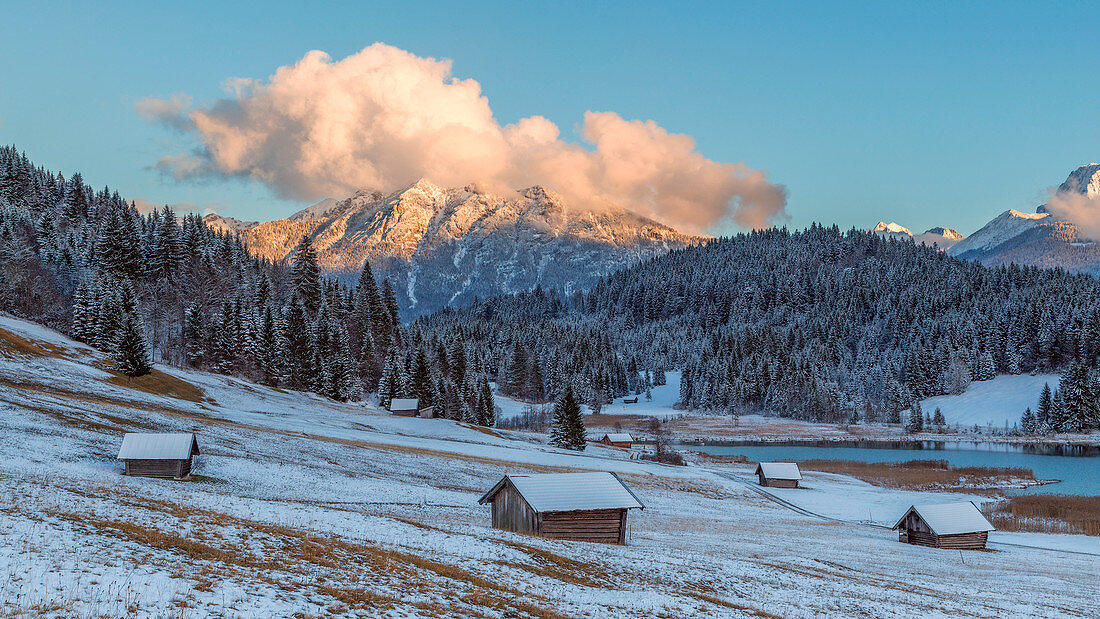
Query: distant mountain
[943, 238]
[1041, 238]
[444, 246]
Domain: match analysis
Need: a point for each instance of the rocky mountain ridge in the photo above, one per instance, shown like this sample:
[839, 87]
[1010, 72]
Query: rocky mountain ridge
[443, 246]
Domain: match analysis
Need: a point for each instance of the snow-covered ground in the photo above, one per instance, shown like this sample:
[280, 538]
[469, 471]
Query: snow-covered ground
[664, 396]
[301, 506]
[999, 402]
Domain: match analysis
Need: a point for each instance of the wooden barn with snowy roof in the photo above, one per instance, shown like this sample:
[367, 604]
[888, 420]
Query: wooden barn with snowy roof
[617, 439]
[405, 407]
[957, 526]
[158, 455]
[778, 474]
[586, 507]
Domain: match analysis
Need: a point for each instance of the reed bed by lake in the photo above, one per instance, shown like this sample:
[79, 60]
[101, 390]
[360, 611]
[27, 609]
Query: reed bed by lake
[924, 474]
[1046, 513]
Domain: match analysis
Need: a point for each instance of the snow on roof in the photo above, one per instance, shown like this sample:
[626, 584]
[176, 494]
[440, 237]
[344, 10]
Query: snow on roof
[950, 518]
[136, 446]
[404, 404]
[618, 437]
[559, 492]
[779, 470]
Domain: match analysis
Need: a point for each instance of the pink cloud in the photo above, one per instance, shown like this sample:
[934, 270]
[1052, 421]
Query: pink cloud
[383, 118]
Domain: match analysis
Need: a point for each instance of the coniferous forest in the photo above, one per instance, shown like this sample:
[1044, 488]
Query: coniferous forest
[155, 287]
[816, 324]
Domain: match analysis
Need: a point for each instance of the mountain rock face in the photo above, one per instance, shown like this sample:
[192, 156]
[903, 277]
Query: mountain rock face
[444, 247]
[941, 237]
[1041, 238]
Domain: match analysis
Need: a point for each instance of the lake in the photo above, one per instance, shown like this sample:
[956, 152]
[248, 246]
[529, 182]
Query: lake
[1077, 466]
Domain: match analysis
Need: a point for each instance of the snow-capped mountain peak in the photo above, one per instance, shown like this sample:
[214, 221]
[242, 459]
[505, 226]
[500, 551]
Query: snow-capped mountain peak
[947, 233]
[442, 246]
[1084, 180]
[892, 228]
[227, 225]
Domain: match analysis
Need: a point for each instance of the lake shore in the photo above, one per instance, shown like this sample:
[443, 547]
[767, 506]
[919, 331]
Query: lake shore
[694, 428]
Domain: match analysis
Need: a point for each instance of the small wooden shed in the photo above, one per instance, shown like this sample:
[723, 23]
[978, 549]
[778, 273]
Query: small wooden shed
[587, 507]
[778, 474]
[618, 439]
[158, 455]
[957, 526]
[405, 407]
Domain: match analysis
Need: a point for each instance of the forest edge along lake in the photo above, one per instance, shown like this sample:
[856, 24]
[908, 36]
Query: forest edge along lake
[1077, 467]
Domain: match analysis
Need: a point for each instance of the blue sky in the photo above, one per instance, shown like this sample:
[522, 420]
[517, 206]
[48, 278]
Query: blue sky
[924, 113]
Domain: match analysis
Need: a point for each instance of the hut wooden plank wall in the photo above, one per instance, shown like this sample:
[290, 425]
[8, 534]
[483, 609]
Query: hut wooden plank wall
[956, 526]
[158, 455]
[618, 439]
[778, 474]
[405, 407]
[589, 507]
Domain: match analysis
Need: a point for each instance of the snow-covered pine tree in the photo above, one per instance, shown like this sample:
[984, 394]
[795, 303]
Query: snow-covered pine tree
[305, 276]
[986, 369]
[302, 373]
[916, 419]
[1042, 412]
[131, 352]
[1027, 422]
[1056, 418]
[422, 382]
[567, 428]
[487, 415]
[537, 390]
[194, 336]
[389, 385]
[938, 419]
[391, 311]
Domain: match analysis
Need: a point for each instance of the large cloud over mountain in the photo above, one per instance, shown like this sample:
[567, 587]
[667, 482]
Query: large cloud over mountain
[383, 117]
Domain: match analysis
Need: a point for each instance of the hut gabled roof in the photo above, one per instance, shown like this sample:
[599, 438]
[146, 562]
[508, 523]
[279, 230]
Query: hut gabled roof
[618, 437]
[562, 492]
[950, 518]
[404, 404]
[779, 470]
[140, 446]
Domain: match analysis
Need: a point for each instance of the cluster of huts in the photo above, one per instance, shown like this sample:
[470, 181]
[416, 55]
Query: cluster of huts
[589, 507]
[959, 525]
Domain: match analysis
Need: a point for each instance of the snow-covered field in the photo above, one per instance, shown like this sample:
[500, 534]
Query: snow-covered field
[664, 396]
[304, 507]
[999, 402]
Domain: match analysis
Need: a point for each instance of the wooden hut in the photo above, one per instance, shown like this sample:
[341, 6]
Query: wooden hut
[587, 507]
[405, 407]
[958, 526]
[158, 455]
[778, 474]
[618, 439]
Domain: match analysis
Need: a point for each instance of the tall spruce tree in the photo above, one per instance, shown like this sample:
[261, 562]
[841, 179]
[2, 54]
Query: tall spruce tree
[306, 276]
[131, 351]
[567, 428]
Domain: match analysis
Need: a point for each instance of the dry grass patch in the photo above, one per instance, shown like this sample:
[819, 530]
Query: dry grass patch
[12, 345]
[923, 474]
[1046, 513]
[159, 383]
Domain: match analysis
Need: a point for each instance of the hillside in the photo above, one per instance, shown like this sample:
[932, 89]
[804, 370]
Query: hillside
[445, 247]
[817, 324]
[305, 506]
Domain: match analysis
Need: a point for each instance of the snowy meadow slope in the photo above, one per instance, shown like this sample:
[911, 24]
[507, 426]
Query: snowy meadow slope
[305, 506]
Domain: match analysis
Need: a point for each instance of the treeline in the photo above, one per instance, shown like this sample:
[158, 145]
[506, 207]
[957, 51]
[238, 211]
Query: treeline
[816, 324]
[535, 346]
[1073, 407]
[136, 286]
